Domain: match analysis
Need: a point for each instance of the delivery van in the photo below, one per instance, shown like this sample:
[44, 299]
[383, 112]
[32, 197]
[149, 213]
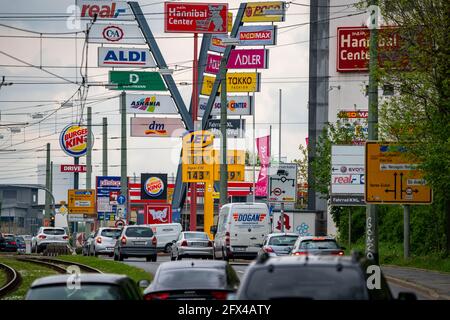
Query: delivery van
[240, 231]
[166, 233]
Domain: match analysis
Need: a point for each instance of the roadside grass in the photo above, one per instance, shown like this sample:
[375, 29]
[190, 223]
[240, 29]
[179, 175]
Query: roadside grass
[29, 272]
[2, 278]
[392, 254]
[108, 266]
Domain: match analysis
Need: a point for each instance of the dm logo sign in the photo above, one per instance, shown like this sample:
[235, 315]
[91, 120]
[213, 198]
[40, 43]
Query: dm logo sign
[73, 140]
[153, 186]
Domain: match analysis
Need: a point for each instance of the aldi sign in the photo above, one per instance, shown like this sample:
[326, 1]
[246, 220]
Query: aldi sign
[248, 59]
[150, 104]
[105, 10]
[195, 17]
[115, 34]
[236, 106]
[257, 35]
[125, 57]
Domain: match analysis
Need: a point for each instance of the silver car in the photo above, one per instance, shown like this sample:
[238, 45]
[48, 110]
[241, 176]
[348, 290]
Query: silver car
[136, 241]
[104, 241]
[192, 244]
[278, 244]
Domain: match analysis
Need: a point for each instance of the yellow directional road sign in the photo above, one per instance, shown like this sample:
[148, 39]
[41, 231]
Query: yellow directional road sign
[81, 201]
[393, 178]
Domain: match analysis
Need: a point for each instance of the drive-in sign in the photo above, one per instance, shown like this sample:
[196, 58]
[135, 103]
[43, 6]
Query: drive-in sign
[125, 57]
[248, 59]
[104, 10]
[116, 34]
[73, 168]
[195, 17]
[257, 35]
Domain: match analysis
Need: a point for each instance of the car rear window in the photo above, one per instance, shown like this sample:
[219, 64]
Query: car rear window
[9, 237]
[319, 244]
[196, 235]
[54, 232]
[85, 292]
[189, 278]
[307, 282]
[282, 240]
[111, 233]
[139, 232]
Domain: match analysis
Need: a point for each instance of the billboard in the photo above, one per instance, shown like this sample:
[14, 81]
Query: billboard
[248, 59]
[137, 80]
[73, 140]
[256, 12]
[149, 104]
[236, 105]
[154, 186]
[105, 187]
[105, 10]
[157, 213]
[257, 35]
[196, 17]
[236, 82]
[263, 146]
[235, 127]
[125, 57]
[156, 127]
[115, 34]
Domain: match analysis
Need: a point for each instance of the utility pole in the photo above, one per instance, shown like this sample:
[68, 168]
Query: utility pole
[47, 184]
[371, 210]
[105, 147]
[279, 129]
[406, 229]
[89, 149]
[223, 131]
[123, 151]
[254, 156]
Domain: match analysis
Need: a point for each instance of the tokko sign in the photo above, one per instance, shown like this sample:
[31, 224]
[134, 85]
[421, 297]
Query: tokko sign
[150, 104]
[236, 82]
[195, 17]
[104, 10]
[248, 59]
[125, 57]
[156, 127]
[116, 34]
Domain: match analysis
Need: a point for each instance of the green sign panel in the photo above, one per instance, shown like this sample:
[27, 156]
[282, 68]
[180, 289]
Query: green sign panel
[137, 80]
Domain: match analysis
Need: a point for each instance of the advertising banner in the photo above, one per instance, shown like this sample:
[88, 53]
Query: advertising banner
[235, 127]
[125, 57]
[73, 140]
[263, 146]
[73, 168]
[115, 34]
[156, 127]
[137, 80]
[237, 106]
[150, 104]
[256, 12]
[212, 63]
[216, 44]
[196, 17]
[236, 82]
[105, 186]
[248, 59]
[105, 10]
[347, 170]
[157, 213]
[154, 186]
[257, 35]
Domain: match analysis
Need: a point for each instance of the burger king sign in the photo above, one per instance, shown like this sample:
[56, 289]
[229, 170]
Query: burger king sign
[73, 140]
[154, 186]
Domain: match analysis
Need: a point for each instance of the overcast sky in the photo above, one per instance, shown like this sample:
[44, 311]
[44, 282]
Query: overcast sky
[288, 70]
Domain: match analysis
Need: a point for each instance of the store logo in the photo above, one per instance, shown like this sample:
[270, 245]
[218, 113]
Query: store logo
[154, 186]
[73, 140]
[156, 129]
[147, 104]
[113, 33]
[233, 105]
[104, 11]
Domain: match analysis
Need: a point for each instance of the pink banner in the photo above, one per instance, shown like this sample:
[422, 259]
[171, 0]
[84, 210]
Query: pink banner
[247, 59]
[212, 63]
[263, 145]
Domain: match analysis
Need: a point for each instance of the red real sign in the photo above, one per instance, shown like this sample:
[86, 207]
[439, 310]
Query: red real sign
[157, 213]
[212, 63]
[73, 168]
[195, 17]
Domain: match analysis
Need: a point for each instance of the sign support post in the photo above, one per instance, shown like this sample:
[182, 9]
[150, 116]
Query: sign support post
[223, 131]
[193, 207]
[208, 212]
[123, 150]
[406, 229]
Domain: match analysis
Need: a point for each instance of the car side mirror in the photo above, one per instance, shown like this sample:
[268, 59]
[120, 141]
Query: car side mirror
[143, 283]
[407, 296]
[213, 229]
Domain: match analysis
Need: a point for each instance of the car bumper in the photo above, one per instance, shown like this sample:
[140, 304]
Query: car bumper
[242, 254]
[104, 249]
[208, 251]
[138, 251]
[9, 249]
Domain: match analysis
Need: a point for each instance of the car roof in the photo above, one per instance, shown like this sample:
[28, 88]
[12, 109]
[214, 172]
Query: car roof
[317, 238]
[282, 234]
[103, 278]
[184, 264]
[309, 260]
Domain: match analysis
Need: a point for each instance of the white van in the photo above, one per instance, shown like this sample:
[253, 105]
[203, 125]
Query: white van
[166, 233]
[241, 228]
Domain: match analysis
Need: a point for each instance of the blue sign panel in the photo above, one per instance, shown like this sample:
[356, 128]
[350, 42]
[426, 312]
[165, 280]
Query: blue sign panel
[104, 185]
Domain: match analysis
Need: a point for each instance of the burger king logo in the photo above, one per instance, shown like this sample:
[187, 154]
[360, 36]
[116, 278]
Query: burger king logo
[154, 186]
[73, 140]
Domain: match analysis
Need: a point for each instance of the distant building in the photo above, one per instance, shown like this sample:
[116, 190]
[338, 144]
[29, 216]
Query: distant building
[62, 182]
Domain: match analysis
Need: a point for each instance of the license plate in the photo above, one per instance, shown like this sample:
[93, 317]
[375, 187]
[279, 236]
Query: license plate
[110, 249]
[139, 243]
[199, 244]
[239, 249]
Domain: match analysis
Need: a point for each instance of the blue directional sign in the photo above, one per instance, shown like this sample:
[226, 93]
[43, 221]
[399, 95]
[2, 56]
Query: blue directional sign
[121, 199]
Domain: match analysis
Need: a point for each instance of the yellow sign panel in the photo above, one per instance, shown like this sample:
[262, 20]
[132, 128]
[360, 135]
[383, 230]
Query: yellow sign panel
[81, 201]
[198, 139]
[393, 178]
[198, 156]
[197, 172]
[216, 195]
[230, 21]
[235, 165]
[272, 11]
[236, 82]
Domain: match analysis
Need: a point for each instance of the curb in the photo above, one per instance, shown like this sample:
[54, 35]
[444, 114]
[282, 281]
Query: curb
[414, 268]
[413, 285]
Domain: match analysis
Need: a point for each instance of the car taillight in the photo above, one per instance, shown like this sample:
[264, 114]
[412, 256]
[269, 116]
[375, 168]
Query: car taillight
[227, 238]
[154, 241]
[157, 296]
[267, 249]
[123, 240]
[98, 239]
[338, 253]
[184, 243]
[219, 295]
[301, 253]
[41, 236]
[13, 243]
[210, 244]
[65, 237]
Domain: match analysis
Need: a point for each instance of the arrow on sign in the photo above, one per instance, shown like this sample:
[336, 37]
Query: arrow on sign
[395, 187]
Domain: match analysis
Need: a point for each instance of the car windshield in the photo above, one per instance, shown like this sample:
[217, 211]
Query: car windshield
[20, 240]
[85, 292]
[54, 232]
[111, 233]
[139, 232]
[196, 235]
[282, 240]
[201, 278]
[319, 244]
[307, 282]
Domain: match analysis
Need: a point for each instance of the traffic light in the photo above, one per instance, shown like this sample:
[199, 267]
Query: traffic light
[52, 221]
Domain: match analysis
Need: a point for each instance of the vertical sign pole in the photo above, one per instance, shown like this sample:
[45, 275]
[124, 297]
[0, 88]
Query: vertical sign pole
[223, 133]
[282, 216]
[254, 150]
[406, 220]
[89, 149]
[47, 184]
[123, 150]
[193, 208]
[209, 208]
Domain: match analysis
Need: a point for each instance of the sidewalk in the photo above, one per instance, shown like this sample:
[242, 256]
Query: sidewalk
[433, 283]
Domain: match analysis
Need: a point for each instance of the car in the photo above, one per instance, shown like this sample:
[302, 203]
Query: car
[136, 241]
[104, 241]
[313, 245]
[8, 242]
[240, 230]
[312, 278]
[21, 245]
[194, 244]
[282, 172]
[86, 246]
[49, 235]
[166, 233]
[278, 244]
[193, 279]
[85, 286]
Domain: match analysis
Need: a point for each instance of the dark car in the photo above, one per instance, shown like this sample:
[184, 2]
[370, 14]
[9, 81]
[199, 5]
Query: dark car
[8, 242]
[85, 286]
[312, 278]
[193, 279]
[21, 245]
[312, 245]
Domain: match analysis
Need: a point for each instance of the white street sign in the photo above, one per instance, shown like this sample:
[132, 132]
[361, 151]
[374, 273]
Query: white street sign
[125, 57]
[115, 34]
[283, 183]
[237, 106]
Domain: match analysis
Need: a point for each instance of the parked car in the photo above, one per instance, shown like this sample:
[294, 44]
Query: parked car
[86, 247]
[136, 241]
[166, 233]
[104, 241]
[48, 235]
[90, 287]
[312, 245]
[278, 244]
[8, 242]
[21, 245]
[192, 244]
[240, 230]
[199, 280]
[312, 277]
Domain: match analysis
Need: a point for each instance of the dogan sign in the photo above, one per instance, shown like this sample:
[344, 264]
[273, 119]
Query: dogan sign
[73, 140]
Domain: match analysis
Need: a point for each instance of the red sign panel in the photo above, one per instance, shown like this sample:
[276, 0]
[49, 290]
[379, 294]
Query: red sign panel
[73, 168]
[353, 48]
[195, 17]
[212, 63]
[157, 213]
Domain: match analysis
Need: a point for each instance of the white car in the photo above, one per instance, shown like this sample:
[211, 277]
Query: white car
[167, 234]
[46, 236]
[104, 241]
